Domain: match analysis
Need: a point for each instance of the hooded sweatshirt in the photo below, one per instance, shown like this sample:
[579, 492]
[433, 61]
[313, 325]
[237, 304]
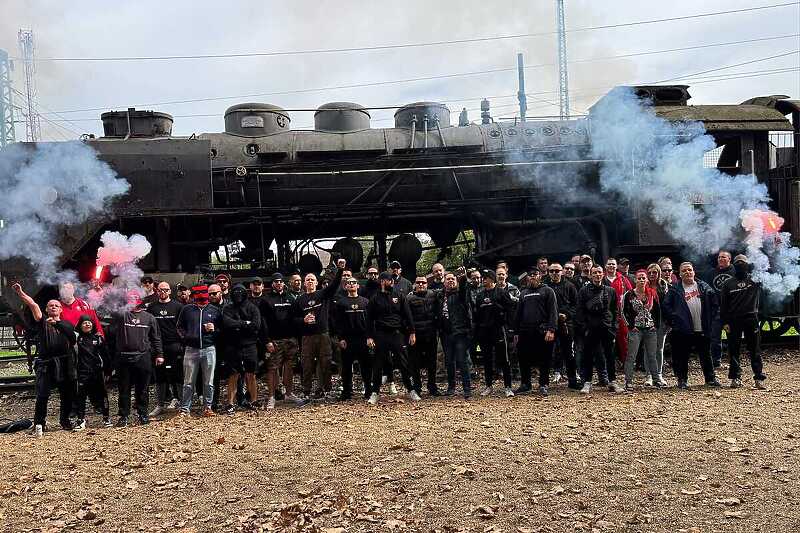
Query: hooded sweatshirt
[93, 356]
[241, 319]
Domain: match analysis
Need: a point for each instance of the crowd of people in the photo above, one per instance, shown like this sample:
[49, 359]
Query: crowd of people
[575, 321]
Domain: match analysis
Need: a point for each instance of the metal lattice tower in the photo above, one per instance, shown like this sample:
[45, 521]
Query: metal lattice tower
[33, 129]
[6, 102]
[563, 77]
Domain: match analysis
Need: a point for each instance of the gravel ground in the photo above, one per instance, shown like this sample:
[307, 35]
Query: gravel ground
[697, 461]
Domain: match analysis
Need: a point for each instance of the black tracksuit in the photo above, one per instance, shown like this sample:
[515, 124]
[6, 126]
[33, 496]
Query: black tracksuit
[55, 367]
[739, 302]
[169, 376]
[537, 313]
[423, 306]
[567, 298]
[596, 318]
[389, 322]
[135, 343]
[94, 365]
[493, 309]
[350, 322]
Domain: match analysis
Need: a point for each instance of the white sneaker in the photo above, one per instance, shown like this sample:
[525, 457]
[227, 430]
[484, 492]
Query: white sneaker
[587, 388]
[157, 411]
[760, 385]
[80, 425]
[649, 381]
[486, 391]
[413, 396]
[662, 383]
[556, 377]
[174, 404]
[615, 387]
[373, 398]
[384, 380]
[38, 431]
[271, 402]
[392, 389]
[290, 397]
[509, 392]
[283, 390]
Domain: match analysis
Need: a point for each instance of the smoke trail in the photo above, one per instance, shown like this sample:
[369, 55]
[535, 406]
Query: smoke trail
[775, 262]
[658, 165]
[120, 254]
[46, 187]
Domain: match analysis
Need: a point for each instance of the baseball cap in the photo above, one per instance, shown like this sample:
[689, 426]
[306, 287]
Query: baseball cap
[277, 276]
[385, 275]
[224, 276]
[740, 258]
[395, 264]
[257, 279]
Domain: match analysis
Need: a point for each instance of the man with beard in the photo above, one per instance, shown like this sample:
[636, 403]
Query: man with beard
[494, 308]
[717, 279]
[241, 319]
[567, 299]
[184, 294]
[169, 376]
[73, 307]
[401, 284]
[371, 286]
[436, 282]
[350, 319]
[54, 364]
[390, 329]
[597, 320]
[535, 326]
[295, 287]
[621, 285]
[739, 303]
[501, 275]
[455, 325]
[423, 305]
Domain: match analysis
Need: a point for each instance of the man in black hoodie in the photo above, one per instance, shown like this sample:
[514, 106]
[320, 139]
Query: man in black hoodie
[136, 345]
[535, 326]
[423, 304]
[717, 279]
[169, 376]
[597, 320]
[54, 363]
[311, 320]
[494, 307]
[350, 319]
[455, 324]
[278, 314]
[738, 309]
[242, 320]
[567, 298]
[94, 369]
[388, 323]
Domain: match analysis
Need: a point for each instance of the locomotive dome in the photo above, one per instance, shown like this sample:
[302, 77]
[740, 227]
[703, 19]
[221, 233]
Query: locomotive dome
[256, 120]
[341, 117]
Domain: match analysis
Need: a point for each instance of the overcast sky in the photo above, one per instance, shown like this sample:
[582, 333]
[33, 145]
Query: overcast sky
[148, 28]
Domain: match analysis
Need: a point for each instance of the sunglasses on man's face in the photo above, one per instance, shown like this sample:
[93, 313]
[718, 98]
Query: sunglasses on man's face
[554, 270]
[164, 290]
[214, 293]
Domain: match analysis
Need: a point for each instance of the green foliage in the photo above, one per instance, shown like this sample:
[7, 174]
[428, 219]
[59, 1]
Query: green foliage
[456, 256]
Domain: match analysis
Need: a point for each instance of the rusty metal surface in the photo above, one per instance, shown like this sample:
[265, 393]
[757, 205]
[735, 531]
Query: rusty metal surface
[728, 117]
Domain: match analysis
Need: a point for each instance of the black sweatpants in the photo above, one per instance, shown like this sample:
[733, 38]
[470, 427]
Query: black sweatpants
[94, 389]
[46, 380]
[356, 350]
[533, 349]
[390, 346]
[598, 348]
[682, 346]
[564, 355]
[423, 355]
[169, 376]
[748, 327]
[136, 374]
[494, 350]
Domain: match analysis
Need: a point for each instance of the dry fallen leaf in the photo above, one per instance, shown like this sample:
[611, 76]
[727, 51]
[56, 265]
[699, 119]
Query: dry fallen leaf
[730, 502]
[691, 492]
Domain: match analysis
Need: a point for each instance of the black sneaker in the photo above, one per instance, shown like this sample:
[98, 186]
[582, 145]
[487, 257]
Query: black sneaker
[543, 390]
[450, 391]
[345, 396]
[67, 425]
[714, 383]
[523, 389]
[144, 420]
[229, 409]
[107, 423]
[279, 395]
[122, 422]
[247, 406]
[574, 385]
[683, 385]
[434, 392]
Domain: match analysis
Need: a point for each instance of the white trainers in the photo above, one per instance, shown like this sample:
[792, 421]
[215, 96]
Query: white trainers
[556, 377]
[384, 380]
[392, 389]
[615, 387]
[157, 411]
[736, 383]
[80, 425]
[486, 391]
[661, 382]
[290, 397]
[38, 431]
[587, 388]
[271, 402]
[373, 398]
[174, 404]
[760, 385]
[649, 381]
[413, 396]
[509, 392]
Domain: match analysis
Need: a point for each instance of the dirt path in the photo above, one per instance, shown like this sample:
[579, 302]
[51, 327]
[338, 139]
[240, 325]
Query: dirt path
[699, 461]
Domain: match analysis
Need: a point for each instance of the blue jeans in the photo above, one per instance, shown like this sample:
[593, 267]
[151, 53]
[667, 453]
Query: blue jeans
[205, 359]
[455, 349]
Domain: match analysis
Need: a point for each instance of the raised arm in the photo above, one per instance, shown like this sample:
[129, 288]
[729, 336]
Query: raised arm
[28, 301]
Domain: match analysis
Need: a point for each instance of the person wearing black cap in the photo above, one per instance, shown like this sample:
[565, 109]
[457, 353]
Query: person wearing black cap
[350, 320]
[493, 309]
[184, 294]
[311, 319]
[535, 325]
[401, 284]
[739, 306]
[389, 325]
[149, 294]
[242, 320]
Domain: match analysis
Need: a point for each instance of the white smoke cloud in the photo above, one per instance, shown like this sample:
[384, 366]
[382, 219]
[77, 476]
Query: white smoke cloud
[658, 165]
[120, 254]
[45, 188]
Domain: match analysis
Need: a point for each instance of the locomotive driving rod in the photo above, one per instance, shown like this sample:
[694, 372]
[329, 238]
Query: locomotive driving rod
[444, 167]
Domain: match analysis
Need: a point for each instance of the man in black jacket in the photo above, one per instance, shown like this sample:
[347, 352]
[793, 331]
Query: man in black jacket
[535, 325]
[739, 306]
[350, 320]
[455, 324]
[54, 364]
[567, 299]
[401, 284]
[717, 280]
[493, 309]
[242, 320]
[423, 305]
[311, 320]
[281, 344]
[136, 345]
[169, 376]
[597, 320]
[389, 324]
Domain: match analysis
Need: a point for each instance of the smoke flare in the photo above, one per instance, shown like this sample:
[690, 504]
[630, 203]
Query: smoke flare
[120, 254]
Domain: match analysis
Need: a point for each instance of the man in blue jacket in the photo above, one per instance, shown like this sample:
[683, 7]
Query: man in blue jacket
[690, 307]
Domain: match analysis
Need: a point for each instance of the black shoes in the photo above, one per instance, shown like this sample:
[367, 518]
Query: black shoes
[122, 422]
[523, 389]
[714, 383]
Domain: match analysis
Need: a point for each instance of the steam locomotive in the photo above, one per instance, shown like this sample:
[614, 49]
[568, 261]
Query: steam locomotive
[261, 181]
